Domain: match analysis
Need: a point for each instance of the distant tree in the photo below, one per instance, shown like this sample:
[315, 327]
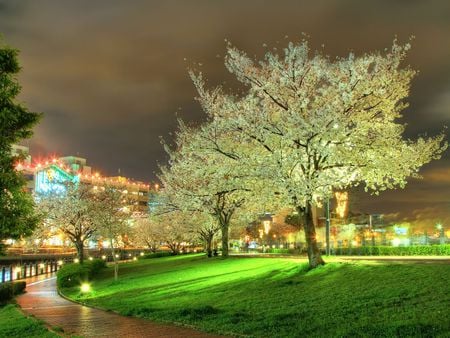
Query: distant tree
[145, 233]
[17, 218]
[113, 217]
[313, 125]
[172, 230]
[206, 227]
[199, 179]
[74, 212]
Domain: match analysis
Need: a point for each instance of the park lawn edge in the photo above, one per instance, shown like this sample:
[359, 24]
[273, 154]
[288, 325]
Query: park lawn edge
[46, 328]
[327, 270]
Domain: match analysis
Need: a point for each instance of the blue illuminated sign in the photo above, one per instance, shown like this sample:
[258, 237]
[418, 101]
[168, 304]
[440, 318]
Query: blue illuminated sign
[52, 179]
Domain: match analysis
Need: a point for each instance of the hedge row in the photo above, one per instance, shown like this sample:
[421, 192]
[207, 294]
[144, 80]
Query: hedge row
[9, 289]
[158, 254]
[74, 274]
[414, 250]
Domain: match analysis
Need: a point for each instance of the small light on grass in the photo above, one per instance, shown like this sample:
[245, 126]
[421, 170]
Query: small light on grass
[85, 287]
[142, 254]
[117, 256]
[90, 258]
[103, 257]
[76, 260]
[134, 258]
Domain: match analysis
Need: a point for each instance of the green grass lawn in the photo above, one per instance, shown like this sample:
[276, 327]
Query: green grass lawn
[13, 323]
[276, 297]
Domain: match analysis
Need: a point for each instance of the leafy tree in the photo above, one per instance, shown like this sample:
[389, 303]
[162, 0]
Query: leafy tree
[113, 217]
[16, 205]
[74, 211]
[144, 233]
[313, 125]
[172, 230]
[199, 179]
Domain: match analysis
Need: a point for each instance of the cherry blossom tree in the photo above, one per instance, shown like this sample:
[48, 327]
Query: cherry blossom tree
[201, 179]
[113, 217]
[74, 212]
[145, 233]
[312, 125]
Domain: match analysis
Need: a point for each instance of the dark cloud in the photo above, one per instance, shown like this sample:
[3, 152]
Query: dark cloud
[110, 75]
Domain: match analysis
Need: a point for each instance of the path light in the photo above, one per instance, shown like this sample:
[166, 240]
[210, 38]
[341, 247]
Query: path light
[117, 256]
[60, 262]
[103, 257]
[134, 258]
[85, 287]
[90, 258]
[142, 254]
[76, 260]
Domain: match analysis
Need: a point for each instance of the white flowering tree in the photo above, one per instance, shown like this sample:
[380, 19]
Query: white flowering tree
[145, 233]
[113, 217]
[201, 179]
[173, 229]
[314, 124]
[73, 212]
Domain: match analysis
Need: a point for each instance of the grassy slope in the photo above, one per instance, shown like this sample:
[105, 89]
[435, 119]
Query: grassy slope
[14, 323]
[278, 297]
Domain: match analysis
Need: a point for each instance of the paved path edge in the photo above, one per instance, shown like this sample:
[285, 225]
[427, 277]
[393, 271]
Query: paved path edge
[176, 324]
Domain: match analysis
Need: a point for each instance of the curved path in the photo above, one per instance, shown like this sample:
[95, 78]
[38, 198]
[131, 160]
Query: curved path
[43, 301]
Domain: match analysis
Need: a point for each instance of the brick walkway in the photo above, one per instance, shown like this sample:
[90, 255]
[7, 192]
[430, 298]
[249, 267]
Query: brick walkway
[42, 301]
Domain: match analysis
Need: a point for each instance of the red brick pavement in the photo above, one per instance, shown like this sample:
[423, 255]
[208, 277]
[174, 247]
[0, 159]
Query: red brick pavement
[42, 301]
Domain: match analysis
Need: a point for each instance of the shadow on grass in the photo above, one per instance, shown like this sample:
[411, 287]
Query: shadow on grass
[338, 299]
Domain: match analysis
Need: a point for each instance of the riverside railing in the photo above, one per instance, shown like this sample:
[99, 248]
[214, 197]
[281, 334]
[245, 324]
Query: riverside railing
[14, 268]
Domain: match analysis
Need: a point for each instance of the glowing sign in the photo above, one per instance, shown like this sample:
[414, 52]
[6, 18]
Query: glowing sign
[52, 179]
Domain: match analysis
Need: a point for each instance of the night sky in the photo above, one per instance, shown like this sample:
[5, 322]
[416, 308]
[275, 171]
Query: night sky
[111, 76]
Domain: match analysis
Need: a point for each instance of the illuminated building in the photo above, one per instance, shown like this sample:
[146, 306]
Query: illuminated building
[49, 176]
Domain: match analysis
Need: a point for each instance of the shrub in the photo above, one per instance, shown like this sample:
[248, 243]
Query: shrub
[95, 266]
[72, 274]
[18, 287]
[6, 292]
[413, 250]
[158, 254]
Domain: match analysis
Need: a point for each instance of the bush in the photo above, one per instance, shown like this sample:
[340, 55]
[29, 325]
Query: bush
[18, 287]
[74, 274]
[413, 250]
[95, 266]
[158, 254]
[6, 292]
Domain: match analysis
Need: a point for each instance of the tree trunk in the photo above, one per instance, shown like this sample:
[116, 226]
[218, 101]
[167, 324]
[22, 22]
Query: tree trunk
[79, 245]
[116, 263]
[225, 227]
[209, 239]
[314, 256]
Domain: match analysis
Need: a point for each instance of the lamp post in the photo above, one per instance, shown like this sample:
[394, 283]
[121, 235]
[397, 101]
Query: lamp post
[327, 227]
